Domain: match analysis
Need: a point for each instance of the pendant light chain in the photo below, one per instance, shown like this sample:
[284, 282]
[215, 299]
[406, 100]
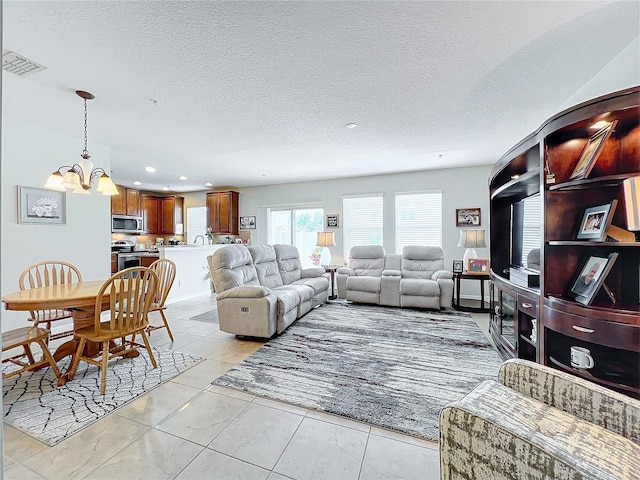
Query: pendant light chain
[85, 152]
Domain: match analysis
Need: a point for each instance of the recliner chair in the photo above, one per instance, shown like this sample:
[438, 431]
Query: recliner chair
[425, 283]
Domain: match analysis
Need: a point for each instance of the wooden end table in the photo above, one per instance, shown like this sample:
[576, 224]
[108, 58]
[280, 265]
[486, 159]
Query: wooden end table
[470, 276]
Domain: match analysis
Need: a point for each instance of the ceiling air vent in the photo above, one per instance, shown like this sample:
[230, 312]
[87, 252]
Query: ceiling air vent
[21, 66]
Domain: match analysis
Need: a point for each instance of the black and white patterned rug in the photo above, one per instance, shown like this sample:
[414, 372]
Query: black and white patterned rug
[35, 405]
[210, 316]
[390, 367]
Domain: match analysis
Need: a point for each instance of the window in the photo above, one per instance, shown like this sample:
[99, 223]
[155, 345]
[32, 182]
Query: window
[362, 223]
[196, 223]
[299, 227]
[418, 219]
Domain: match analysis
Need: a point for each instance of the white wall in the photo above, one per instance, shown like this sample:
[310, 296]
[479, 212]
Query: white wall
[461, 188]
[29, 155]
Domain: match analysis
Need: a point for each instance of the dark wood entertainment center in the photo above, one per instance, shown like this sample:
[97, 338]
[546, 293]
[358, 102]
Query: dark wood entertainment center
[543, 323]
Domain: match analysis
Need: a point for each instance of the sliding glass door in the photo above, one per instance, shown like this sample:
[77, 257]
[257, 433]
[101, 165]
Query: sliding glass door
[299, 227]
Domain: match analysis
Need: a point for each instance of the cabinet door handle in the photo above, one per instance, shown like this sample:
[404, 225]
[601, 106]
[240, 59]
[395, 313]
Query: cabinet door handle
[583, 329]
[527, 305]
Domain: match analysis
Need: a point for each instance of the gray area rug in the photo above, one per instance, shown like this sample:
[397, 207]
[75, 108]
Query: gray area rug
[210, 316]
[35, 405]
[390, 367]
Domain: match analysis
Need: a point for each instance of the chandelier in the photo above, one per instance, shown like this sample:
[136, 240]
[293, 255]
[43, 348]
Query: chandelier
[81, 176]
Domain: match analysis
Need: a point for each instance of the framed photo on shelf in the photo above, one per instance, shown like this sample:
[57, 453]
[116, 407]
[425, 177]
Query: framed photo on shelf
[247, 223]
[479, 266]
[591, 151]
[458, 266]
[466, 217]
[595, 222]
[42, 207]
[591, 277]
[332, 221]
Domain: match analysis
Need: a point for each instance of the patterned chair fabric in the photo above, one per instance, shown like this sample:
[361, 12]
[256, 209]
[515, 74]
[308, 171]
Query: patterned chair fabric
[539, 423]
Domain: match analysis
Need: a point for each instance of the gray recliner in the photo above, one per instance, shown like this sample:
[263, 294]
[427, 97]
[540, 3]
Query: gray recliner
[425, 283]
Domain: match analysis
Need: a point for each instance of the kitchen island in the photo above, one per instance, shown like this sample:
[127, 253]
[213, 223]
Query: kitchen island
[192, 269]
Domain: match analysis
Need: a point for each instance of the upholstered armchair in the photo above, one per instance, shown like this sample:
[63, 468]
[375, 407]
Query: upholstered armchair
[424, 282]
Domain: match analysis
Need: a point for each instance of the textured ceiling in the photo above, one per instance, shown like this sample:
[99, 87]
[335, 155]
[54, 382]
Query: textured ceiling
[253, 93]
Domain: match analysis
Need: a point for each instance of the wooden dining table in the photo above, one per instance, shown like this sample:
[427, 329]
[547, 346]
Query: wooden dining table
[78, 298]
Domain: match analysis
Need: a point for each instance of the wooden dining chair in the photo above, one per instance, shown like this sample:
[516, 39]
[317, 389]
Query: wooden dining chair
[166, 271]
[24, 337]
[130, 293]
[42, 274]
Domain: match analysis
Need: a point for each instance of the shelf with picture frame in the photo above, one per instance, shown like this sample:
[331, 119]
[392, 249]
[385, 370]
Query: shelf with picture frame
[582, 161]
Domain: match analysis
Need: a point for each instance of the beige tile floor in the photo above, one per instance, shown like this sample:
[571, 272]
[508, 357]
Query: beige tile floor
[190, 429]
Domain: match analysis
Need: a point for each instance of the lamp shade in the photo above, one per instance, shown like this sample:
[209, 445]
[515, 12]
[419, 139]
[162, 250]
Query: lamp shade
[631, 188]
[471, 239]
[326, 239]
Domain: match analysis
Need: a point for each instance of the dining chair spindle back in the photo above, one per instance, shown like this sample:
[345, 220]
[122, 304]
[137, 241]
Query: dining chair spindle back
[131, 292]
[44, 274]
[166, 271]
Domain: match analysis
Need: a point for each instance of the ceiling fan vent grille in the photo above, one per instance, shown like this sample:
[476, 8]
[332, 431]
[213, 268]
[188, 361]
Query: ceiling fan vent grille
[19, 65]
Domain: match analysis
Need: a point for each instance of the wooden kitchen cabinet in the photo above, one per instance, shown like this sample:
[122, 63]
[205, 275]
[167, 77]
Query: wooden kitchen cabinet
[147, 260]
[150, 214]
[162, 215]
[222, 212]
[128, 202]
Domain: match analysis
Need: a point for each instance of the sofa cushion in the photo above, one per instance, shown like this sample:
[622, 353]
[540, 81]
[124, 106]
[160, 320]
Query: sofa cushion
[419, 261]
[289, 263]
[317, 284]
[367, 260]
[288, 299]
[264, 259]
[232, 266]
[419, 286]
[364, 284]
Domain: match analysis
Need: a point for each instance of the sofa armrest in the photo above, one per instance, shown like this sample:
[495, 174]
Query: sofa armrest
[346, 271]
[596, 404]
[391, 273]
[311, 272]
[442, 274]
[244, 292]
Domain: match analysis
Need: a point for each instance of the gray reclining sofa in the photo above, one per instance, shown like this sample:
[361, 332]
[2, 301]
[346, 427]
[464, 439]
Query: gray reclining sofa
[263, 289]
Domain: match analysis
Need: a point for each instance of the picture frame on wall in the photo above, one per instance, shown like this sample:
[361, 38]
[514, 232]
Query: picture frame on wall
[468, 217]
[595, 222]
[590, 277]
[591, 151]
[248, 223]
[332, 221]
[39, 206]
[478, 266]
[458, 266]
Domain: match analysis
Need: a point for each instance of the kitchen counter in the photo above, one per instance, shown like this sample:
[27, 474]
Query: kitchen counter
[192, 269]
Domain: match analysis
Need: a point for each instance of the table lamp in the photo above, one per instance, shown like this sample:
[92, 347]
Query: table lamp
[631, 187]
[470, 239]
[325, 240]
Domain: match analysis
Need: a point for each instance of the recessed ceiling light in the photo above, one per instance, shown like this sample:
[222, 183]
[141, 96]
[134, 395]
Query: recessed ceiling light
[137, 183]
[182, 177]
[208, 184]
[149, 169]
[352, 125]
[165, 188]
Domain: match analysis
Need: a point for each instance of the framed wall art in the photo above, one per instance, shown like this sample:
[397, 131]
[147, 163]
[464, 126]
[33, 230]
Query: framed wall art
[247, 223]
[592, 149]
[332, 221]
[595, 222]
[466, 217]
[41, 207]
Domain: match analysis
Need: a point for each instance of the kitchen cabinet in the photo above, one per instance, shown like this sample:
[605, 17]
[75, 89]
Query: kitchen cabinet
[162, 215]
[222, 212]
[128, 202]
[114, 263]
[147, 260]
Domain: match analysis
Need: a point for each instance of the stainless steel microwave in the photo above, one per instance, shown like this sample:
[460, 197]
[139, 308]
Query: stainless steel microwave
[126, 224]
